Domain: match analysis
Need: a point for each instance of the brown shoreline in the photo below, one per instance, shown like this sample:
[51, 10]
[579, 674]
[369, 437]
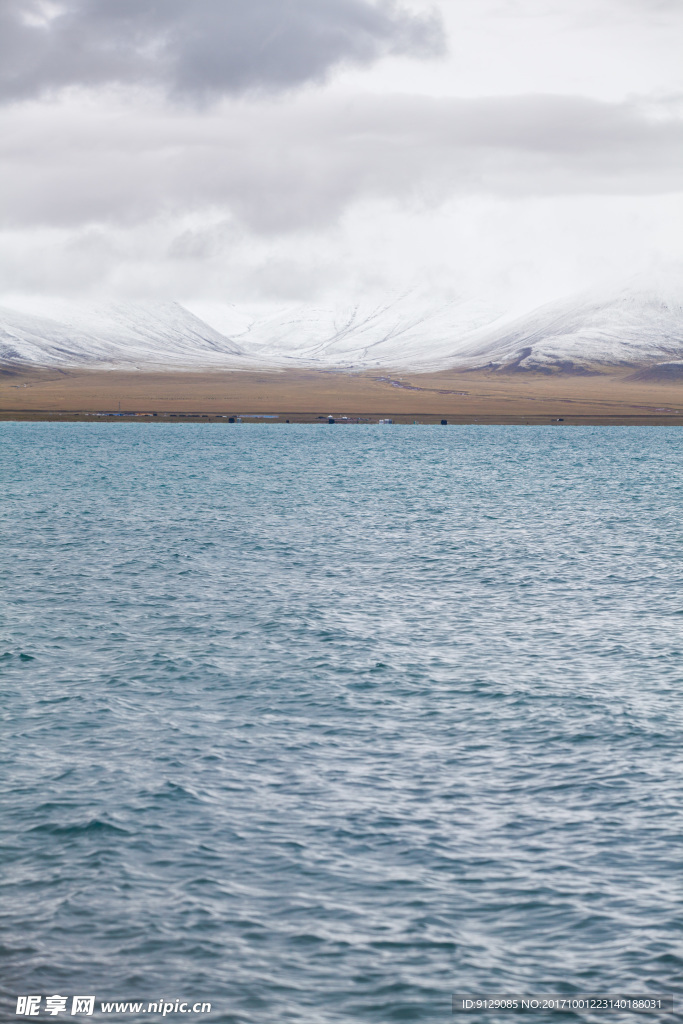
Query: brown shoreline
[617, 397]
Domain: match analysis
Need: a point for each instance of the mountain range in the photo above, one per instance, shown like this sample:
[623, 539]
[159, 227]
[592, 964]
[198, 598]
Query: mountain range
[640, 327]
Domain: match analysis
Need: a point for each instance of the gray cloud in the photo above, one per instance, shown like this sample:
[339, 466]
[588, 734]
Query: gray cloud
[278, 168]
[200, 48]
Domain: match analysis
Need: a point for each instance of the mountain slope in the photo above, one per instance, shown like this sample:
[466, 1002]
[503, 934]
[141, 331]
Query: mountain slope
[405, 331]
[636, 327]
[627, 328]
[123, 335]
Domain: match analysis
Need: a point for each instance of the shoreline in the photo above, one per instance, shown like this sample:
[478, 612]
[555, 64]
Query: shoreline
[371, 421]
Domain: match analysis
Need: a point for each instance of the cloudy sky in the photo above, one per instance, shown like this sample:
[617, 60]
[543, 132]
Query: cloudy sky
[281, 151]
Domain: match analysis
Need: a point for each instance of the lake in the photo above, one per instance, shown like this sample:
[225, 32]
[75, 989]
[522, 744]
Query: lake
[327, 723]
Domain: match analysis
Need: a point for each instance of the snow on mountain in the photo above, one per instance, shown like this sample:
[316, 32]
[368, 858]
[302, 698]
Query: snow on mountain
[405, 331]
[130, 336]
[632, 327]
[636, 326]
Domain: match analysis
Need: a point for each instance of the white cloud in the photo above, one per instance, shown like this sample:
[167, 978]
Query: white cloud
[604, 49]
[542, 152]
[519, 251]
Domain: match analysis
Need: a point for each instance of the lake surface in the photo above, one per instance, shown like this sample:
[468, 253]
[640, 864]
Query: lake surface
[324, 723]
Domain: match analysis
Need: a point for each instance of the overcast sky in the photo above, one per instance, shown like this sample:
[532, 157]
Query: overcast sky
[276, 151]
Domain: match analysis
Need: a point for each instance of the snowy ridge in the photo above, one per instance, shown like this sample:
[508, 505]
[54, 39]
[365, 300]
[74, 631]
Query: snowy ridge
[636, 327]
[628, 328]
[405, 331]
[127, 336]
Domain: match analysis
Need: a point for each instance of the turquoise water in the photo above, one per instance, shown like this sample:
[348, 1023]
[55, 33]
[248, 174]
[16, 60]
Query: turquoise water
[326, 723]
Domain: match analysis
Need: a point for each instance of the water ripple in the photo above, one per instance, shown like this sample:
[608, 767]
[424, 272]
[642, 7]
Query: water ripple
[324, 724]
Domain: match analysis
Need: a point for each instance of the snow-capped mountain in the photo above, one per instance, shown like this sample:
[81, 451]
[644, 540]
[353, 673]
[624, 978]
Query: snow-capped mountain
[405, 331]
[635, 326]
[110, 336]
[629, 328]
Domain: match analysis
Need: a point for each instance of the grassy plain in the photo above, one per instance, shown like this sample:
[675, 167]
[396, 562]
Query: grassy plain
[309, 395]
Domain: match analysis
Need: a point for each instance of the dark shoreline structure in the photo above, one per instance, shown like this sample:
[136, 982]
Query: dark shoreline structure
[180, 419]
[609, 396]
